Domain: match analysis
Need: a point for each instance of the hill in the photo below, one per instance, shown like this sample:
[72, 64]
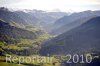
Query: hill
[80, 39]
[68, 22]
[19, 41]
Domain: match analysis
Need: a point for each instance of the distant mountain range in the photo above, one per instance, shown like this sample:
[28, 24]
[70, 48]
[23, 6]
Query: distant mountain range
[74, 32]
[35, 32]
[71, 21]
[36, 18]
[85, 37]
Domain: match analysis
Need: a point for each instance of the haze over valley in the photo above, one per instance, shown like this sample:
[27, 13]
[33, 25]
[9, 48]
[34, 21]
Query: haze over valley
[43, 29]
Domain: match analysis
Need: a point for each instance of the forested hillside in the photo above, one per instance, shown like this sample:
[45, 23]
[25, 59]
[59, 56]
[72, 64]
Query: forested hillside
[80, 39]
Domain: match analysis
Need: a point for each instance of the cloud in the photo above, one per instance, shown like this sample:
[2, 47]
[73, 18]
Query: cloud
[63, 5]
[7, 2]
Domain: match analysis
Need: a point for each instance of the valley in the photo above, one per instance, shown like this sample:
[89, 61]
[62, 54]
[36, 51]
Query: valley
[46, 35]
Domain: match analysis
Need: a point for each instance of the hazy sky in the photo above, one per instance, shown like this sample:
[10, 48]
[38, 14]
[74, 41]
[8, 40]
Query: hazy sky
[63, 5]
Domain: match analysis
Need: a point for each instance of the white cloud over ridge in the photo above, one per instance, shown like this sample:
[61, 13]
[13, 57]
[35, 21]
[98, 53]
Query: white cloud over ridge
[63, 5]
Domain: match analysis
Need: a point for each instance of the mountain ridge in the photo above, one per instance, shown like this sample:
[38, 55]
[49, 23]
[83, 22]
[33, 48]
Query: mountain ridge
[82, 38]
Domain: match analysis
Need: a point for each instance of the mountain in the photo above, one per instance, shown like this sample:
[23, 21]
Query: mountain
[8, 32]
[18, 18]
[67, 22]
[47, 18]
[30, 20]
[70, 26]
[36, 18]
[85, 37]
[18, 41]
